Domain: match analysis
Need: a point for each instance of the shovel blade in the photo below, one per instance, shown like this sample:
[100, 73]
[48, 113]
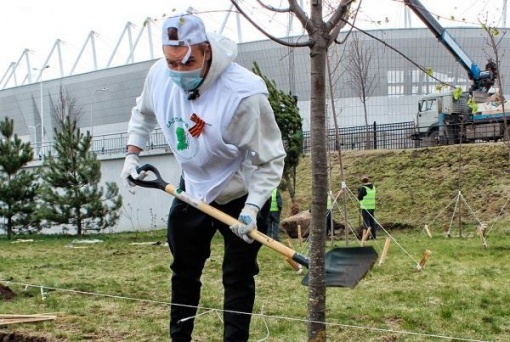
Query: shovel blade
[345, 267]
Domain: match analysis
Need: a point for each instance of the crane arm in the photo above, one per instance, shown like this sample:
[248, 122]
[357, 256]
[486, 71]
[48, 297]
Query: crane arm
[482, 80]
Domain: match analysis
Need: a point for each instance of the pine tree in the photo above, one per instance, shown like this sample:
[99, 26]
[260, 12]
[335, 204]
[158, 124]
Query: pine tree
[18, 187]
[289, 121]
[70, 193]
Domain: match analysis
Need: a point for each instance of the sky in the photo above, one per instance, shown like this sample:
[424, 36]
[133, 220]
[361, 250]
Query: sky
[37, 24]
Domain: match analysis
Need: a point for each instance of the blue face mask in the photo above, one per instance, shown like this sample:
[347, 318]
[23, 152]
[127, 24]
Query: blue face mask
[187, 80]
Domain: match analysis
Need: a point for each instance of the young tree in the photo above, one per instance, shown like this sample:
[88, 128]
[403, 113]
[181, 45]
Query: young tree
[18, 188]
[360, 60]
[289, 121]
[70, 192]
[321, 34]
[363, 83]
[494, 38]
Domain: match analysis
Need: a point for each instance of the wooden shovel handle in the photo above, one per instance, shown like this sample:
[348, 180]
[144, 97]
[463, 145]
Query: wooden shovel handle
[213, 212]
[228, 220]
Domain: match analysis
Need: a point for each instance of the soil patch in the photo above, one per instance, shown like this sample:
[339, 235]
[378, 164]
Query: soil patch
[13, 337]
[6, 294]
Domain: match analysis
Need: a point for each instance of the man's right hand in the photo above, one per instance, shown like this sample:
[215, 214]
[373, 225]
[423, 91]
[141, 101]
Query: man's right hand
[131, 164]
[247, 222]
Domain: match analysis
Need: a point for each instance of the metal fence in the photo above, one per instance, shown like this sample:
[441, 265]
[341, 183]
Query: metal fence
[116, 143]
[387, 136]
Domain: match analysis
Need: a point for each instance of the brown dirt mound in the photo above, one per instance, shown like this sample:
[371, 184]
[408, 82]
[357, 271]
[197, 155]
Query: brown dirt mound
[13, 337]
[6, 294]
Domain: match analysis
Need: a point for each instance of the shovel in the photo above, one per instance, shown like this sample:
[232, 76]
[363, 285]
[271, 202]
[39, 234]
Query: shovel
[345, 267]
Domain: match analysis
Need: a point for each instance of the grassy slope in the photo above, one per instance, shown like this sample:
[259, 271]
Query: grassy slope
[421, 186]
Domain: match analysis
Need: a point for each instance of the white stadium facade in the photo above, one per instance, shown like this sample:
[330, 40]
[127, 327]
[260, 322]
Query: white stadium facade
[105, 98]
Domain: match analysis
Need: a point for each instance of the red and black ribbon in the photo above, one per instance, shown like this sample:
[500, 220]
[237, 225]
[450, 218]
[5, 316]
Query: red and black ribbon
[197, 129]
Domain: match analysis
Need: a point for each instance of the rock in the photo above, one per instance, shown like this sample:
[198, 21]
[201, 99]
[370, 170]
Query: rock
[291, 223]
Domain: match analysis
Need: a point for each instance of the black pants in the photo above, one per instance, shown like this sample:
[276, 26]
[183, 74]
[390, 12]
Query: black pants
[369, 220]
[328, 222]
[189, 237]
[273, 225]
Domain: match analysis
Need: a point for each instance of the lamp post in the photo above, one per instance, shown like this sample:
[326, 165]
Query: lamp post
[35, 137]
[91, 104]
[42, 102]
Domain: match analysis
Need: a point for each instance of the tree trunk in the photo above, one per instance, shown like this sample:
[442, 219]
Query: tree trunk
[317, 290]
[9, 228]
[289, 184]
[321, 36]
[368, 137]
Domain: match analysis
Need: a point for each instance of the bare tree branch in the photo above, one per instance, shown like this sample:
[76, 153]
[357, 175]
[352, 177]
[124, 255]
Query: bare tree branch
[350, 30]
[336, 30]
[338, 15]
[360, 59]
[336, 73]
[421, 67]
[274, 9]
[302, 17]
[495, 65]
[267, 34]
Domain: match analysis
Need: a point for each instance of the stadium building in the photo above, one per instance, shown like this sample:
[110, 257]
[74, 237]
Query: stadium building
[105, 96]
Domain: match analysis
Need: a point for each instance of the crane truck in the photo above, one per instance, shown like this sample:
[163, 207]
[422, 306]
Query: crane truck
[447, 117]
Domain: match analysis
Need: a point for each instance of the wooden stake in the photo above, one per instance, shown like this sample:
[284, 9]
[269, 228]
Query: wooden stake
[9, 316]
[6, 319]
[422, 261]
[46, 314]
[385, 250]
[482, 229]
[364, 237]
[297, 267]
[428, 231]
[299, 236]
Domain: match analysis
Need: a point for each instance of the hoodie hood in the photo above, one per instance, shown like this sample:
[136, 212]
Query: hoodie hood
[224, 52]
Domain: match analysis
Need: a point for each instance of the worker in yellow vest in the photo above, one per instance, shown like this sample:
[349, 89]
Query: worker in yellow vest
[273, 227]
[366, 197]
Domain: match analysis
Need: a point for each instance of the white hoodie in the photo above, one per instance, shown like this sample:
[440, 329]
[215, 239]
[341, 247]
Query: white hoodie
[240, 150]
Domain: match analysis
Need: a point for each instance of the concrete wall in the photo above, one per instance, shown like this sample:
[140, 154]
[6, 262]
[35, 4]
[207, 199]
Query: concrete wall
[147, 208]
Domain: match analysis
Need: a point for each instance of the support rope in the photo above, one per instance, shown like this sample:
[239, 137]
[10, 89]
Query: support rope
[261, 315]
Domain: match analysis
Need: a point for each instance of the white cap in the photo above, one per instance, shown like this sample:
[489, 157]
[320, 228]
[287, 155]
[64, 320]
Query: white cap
[183, 30]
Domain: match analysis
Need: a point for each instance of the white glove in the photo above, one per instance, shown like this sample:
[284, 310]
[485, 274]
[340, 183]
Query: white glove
[248, 219]
[131, 163]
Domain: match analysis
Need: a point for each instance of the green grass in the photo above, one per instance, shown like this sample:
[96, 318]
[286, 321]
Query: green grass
[118, 291]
